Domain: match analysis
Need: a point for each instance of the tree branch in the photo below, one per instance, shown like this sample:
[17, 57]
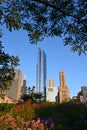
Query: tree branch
[48, 4]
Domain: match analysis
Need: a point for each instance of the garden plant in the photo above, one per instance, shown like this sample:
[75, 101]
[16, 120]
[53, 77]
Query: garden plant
[43, 116]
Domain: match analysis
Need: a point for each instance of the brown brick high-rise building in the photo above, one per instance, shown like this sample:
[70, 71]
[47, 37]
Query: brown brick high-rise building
[63, 91]
[15, 90]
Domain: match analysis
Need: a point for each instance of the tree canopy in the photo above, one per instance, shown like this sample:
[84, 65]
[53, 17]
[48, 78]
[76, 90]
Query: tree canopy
[7, 67]
[48, 18]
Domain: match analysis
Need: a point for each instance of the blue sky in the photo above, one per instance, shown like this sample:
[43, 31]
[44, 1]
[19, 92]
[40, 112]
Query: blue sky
[59, 58]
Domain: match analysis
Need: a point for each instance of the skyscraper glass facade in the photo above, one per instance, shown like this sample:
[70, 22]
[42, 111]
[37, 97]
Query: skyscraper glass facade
[41, 72]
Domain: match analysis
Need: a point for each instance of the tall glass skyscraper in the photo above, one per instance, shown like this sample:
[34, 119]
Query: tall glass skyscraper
[41, 72]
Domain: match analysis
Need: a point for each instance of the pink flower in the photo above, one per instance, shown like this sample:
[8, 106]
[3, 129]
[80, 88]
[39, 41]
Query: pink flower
[38, 120]
[29, 129]
[33, 124]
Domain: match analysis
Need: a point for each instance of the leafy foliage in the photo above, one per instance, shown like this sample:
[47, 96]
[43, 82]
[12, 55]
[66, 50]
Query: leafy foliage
[35, 97]
[7, 66]
[25, 110]
[5, 108]
[43, 18]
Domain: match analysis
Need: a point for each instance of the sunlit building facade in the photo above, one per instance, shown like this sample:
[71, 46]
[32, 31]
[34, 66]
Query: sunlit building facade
[63, 91]
[52, 93]
[15, 90]
[51, 83]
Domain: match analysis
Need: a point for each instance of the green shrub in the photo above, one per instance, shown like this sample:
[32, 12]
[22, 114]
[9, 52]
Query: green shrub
[25, 110]
[5, 108]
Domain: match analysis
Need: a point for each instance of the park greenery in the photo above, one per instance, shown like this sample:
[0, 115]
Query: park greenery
[43, 116]
[34, 96]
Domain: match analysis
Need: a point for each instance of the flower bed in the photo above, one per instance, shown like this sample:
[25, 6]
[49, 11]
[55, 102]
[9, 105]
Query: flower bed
[45, 116]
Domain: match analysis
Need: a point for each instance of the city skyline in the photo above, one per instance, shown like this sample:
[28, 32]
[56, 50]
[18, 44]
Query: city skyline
[59, 58]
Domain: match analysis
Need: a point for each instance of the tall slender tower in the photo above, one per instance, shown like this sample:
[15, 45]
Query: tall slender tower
[41, 72]
[63, 92]
[24, 88]
[51, 83]
[62, 79]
